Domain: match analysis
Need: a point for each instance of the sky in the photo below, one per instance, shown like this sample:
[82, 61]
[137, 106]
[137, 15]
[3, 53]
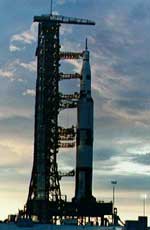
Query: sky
[120, 62]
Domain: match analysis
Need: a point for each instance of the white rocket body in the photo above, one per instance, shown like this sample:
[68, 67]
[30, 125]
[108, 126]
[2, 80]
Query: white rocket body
[84, 155]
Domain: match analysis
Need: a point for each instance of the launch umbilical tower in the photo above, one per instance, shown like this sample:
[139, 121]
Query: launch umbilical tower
[45, 200]
[44, 184]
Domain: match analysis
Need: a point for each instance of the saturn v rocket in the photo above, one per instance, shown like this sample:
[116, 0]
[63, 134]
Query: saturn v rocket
[84, 148]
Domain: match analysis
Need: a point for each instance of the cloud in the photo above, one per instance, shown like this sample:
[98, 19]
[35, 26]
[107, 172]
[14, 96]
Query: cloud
[62, 2]
[31, 66]
[14, 48]
[8, 154]
[76, 64]
[143, 159]
[29, 92]
[127, 167]
[28, 36]
[120, 70]
[6, 74]
[11, 109]
[65, 29]
[11, 70]
[125, 187]
[24, 38]
[105, 154]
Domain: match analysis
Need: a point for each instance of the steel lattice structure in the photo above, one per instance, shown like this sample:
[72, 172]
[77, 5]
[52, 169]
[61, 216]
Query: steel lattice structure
[44, 198]
[44, 186]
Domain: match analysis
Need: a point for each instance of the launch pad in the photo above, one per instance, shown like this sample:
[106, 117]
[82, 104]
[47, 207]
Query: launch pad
[70, 210]
[45, 202]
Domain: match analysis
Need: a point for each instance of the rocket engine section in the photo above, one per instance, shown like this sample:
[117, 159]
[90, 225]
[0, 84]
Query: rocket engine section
[84, 154]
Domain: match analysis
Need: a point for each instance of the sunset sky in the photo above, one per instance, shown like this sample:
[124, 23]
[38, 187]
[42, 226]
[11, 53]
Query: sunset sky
[120, 62]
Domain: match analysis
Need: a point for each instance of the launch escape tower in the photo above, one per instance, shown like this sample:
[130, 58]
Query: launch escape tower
[45, 200]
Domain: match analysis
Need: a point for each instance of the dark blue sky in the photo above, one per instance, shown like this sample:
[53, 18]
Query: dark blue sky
[120, 61]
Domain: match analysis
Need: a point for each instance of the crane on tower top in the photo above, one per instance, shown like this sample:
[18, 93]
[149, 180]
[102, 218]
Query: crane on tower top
[61, 19]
